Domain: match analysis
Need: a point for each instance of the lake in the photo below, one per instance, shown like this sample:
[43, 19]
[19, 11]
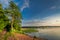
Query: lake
[48, 33]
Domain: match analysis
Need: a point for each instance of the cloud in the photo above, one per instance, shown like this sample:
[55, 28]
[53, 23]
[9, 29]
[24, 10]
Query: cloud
[4, 2]
[25, 5]
[30, 22]
[54, 7]
[53, 20]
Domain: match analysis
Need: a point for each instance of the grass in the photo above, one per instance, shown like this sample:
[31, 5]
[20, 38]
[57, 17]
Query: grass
[6, 36]
[29, 30]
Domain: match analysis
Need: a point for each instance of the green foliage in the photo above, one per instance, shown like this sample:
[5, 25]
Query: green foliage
[16, 17]
[10, 17]
[29, 30]
[2, 24]
[3, 18]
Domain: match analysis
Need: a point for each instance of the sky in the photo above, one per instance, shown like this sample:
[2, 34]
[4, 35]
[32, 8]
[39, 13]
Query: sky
[38, 12]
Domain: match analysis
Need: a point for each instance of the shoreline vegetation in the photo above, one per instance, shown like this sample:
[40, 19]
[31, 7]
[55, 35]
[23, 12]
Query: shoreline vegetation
[17, 36]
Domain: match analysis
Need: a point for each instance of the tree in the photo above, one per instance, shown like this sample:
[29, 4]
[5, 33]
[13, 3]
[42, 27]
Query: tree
[16, 17]
[3, 18]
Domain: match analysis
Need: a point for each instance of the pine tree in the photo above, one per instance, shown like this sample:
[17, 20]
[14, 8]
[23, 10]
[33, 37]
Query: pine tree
[16, 17]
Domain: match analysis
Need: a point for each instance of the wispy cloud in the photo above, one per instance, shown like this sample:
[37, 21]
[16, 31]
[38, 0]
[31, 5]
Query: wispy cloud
[53, 20]
[25, 5]
[54, 7]
[31, 22]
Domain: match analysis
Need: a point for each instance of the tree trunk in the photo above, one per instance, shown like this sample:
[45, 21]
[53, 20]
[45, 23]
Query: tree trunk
[12, 22]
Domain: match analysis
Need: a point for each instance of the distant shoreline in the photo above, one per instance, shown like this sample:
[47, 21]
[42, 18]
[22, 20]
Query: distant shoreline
[39, 26]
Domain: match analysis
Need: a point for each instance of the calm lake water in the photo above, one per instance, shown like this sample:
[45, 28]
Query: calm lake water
[48, 33]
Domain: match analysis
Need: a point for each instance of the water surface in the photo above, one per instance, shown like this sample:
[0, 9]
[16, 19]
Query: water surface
[48, 33]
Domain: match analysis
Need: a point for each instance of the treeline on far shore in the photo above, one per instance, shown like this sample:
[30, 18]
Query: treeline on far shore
[40, 26]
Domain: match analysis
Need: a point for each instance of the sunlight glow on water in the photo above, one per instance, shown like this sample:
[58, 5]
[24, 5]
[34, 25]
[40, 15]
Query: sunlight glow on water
[49, 33]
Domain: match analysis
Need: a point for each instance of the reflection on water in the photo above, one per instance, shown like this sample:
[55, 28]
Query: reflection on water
[48, 33]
